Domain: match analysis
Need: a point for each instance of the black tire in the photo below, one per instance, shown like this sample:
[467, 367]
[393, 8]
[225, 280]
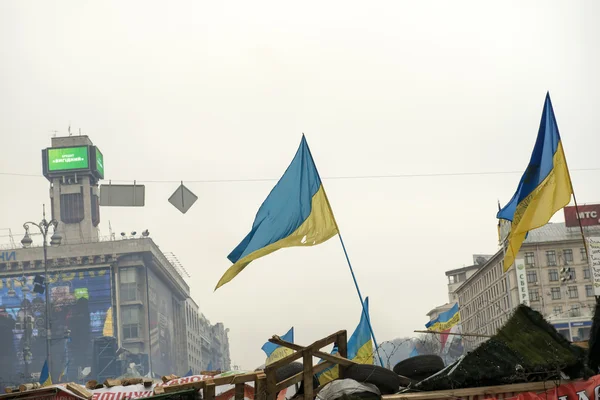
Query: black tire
[287, 371]
[419, 367]
[386, 381]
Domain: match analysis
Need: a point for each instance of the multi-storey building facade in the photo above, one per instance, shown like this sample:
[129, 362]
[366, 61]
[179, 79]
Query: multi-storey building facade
[457, 277]
[551, 275]
[122, 293]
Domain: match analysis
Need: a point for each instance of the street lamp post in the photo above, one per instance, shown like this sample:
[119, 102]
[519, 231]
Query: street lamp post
[44, 227]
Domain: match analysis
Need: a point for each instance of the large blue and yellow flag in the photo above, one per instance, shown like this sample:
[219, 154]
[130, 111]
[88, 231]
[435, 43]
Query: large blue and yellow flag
[276, 352]
[296, 213]
[545, 187]
[45, 378]
[360, 347]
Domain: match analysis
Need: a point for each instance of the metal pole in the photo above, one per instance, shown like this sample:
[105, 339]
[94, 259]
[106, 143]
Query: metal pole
[26, 347]
[44, 230]
[362, 304]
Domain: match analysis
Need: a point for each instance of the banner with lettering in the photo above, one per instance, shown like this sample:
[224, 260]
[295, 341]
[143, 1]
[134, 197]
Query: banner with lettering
[594, 257]
[223, 392]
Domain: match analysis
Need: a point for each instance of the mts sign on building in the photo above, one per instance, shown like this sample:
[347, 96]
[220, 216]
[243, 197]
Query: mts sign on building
[589, 215]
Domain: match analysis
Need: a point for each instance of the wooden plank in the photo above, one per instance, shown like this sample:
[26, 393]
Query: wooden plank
[260, 387]
[284, 361]
[209, 392]
[299, 377]
[319, 344]
[342, 344]
[307, 360]
[272, 385]
[239, 391]
[481, 391]
[235, 379]
[185, 386]
[79, 390]
[325, 356]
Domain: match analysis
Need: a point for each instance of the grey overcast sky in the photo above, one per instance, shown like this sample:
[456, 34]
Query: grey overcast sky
[196, 90]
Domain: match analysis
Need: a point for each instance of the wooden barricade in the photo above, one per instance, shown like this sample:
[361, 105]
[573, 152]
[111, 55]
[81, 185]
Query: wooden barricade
[266, 386]
[307, 354]
[209, 385]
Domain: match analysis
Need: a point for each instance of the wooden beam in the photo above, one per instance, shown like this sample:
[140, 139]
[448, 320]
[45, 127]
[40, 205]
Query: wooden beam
[272, 386]
[184, 386]
[260, 387]
[455, 394]
[308, 373]
[209, 392]
[342, 343]
[325, 356]
[319, 344]
[280, 363]
[299, 377]
[235, 379]
[239, 391]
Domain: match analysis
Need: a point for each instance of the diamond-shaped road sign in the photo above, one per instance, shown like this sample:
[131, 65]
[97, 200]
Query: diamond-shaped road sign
[183, 199]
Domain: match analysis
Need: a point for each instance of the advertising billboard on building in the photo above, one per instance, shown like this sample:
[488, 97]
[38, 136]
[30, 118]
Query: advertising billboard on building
[80, 301]
[162, 332]
[99, 163]
[68, 158]
[589, 215]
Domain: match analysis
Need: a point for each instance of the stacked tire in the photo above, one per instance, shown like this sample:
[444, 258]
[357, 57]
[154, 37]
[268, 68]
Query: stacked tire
[419, 368]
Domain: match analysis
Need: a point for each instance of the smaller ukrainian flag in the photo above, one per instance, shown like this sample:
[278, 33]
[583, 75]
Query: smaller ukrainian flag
[276, 352]
[360, 347]
[45, 378]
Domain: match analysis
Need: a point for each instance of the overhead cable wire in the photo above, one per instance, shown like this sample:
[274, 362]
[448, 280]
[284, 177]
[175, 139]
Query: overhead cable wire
[347, 177]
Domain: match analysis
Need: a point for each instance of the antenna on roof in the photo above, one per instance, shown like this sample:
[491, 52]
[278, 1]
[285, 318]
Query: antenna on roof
[69, 130]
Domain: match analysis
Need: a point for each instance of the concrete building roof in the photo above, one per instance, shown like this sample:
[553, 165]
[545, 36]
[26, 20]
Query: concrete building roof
[558, 232]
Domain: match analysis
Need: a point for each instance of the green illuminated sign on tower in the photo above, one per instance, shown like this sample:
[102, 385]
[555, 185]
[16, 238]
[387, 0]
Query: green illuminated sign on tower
[100, 163]
[68, 158]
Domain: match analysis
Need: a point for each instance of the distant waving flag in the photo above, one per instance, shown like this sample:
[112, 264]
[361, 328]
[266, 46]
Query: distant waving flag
[545, 187]
[447, 322]
[414, 352]
[276, 352]
[295, 213]
[189, 373]
[45, 378]
[360, 348]
[64, 372]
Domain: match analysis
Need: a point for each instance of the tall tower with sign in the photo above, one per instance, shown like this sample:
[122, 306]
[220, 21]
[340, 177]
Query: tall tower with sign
[73, 165]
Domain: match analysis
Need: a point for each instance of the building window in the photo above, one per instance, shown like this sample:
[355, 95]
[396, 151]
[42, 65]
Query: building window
[589, 290]
[531, 276]
[555, 293]
[587, 273]
[551, 257]
[571, 274]
[557, 311]
[128, 288]
[553, 275]
[568, 256]
[534, 295]
[583, 254]
[131, 322]
[575, 310]
[573, 293]
[529, 258]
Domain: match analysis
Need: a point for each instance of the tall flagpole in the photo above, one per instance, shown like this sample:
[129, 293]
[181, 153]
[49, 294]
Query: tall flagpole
[502, 243]
[362, 303]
